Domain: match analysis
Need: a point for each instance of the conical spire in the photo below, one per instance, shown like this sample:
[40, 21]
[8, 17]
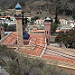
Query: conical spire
[48, 19]
[18, 6]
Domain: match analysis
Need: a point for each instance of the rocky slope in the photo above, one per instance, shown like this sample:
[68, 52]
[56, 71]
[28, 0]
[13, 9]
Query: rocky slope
[38, 4]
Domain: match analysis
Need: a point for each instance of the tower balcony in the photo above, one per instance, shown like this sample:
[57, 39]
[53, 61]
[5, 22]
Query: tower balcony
[18, 16]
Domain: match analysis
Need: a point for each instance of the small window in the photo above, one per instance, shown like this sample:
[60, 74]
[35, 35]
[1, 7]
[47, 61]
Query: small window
[47, 32]
[0, 37]
[1, 28]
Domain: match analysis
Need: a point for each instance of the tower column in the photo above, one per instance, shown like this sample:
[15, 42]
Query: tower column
[47, 24]
[1, 31]
[19, 28]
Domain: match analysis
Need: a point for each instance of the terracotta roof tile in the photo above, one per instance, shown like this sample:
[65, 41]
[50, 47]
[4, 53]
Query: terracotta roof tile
[37, 51]
[63, 59]
[36, 39]
[10, 39]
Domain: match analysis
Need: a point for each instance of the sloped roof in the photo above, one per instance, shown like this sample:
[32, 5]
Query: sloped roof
[9, 39]
[59, 54]
[38, 41]
[47, 19]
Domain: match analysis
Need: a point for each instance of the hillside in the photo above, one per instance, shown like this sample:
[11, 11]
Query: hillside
[4, 4]
[41, 8]
[38, 4]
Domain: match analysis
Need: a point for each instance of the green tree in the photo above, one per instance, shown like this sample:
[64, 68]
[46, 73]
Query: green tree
[67, 37]
[35, 18]
[53, 27]
[56, 16]
[0, 14]
[22, 65]
[61, 11]
[68, 12]
[5, 25]
[4, 14]
[73, 13]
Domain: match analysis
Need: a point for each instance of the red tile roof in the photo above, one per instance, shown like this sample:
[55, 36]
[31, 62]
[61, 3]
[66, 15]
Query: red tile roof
[59, 54]
[34, 26]
[59, 58]
[38, 31]
[39, 41]
[37, 51]
[10, 39]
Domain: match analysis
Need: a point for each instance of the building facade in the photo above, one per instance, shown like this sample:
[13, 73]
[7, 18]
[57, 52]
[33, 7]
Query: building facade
[39, 22]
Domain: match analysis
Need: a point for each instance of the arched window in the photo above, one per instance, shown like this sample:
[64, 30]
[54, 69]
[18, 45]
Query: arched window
[47, 32]
[0, 37]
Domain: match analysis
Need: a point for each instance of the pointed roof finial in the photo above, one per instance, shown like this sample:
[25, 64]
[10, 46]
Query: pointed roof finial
[48, 19]
[18, 6]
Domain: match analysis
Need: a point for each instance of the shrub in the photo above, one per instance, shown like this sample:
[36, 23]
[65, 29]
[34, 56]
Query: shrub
[68, 12]
[20, 65]
[4, 14]
[5, 25]
[0, 14]
[37, 12]
[53, 27]
[35, 18]
[11, 54]
[68, 38]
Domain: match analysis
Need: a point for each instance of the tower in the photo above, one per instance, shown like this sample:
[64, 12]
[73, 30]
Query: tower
[19, 28]
[47, 24]
[1, 31]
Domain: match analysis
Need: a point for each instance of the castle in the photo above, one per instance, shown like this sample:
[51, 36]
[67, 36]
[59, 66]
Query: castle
[37, 44]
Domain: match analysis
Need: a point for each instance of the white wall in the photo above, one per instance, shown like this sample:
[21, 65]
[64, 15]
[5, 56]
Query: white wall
[39, 22]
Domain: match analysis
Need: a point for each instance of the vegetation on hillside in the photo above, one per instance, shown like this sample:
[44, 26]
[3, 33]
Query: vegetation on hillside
[5, 25]
[16, 64]
[35, 18]
[47, 5]
[67, 37]
[41, 7]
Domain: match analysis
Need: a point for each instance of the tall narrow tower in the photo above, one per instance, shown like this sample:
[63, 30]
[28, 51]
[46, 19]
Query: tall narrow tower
[47, 24]
[1, 31]
[19, 28]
